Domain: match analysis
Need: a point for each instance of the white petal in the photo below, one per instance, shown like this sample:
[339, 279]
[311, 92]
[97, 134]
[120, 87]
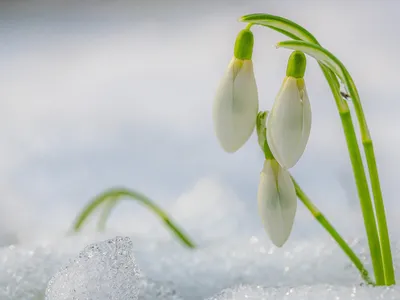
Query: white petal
[277, 202]
[289, 124]
[236, 105]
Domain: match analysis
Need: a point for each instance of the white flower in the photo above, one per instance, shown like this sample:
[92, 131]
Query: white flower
[277, 202]
[236, 105]
[289, 122]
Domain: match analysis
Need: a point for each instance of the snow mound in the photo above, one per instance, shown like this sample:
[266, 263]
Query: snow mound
[105, 270]
[309, 292]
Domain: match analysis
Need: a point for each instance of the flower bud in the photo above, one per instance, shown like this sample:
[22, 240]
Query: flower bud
[277, 202]
[289, 122]
[236, 102]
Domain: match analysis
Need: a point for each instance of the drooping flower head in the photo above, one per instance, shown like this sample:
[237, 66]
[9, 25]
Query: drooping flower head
[277, 202]
[236, 102]
[289, 123]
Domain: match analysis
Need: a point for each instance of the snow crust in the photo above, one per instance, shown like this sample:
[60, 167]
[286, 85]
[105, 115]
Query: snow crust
[239, 268]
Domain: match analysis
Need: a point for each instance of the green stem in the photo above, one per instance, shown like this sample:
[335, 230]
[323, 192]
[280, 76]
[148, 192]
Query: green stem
[380, 214]
[332, 231]
[117, 193]
[385, 267]
[360, 178]
[375, 183]
[374, 240]
[365, 198]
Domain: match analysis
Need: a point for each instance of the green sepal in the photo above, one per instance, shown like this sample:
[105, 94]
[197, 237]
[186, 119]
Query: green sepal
[296, 66]
[244, 45]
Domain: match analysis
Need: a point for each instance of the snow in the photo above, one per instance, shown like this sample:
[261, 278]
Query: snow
[234, 258]
[238, 268]
[316, 292]
[105, 270]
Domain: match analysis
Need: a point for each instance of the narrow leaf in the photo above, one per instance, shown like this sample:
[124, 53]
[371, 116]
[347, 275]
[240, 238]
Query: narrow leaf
[117, 193]
[286, 27]
[282, 25]
[320, 54]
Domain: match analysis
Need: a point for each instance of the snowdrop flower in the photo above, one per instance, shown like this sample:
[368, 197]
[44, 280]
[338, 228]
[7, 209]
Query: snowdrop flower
[289, 123]
[277, 202]
[236, 103]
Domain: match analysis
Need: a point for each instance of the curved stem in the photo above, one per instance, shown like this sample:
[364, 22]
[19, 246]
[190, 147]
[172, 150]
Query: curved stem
[332, 231]
[117, 193]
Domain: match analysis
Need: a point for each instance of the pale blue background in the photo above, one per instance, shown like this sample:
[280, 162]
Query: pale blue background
[95, 94]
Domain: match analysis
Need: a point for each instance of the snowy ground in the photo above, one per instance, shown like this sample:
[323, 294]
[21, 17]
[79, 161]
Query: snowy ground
[240, 268]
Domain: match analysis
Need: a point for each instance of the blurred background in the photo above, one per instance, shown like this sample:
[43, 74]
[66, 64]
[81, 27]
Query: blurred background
[96, 94]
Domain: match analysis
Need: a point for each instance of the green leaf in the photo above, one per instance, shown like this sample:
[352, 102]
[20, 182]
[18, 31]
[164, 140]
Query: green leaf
[282, 25]
[320, 54]
[288, 28]
[113, 195]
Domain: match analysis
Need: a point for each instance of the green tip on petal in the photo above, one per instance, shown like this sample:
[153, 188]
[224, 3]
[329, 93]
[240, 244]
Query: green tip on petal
[296, 65]
[244, 45]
